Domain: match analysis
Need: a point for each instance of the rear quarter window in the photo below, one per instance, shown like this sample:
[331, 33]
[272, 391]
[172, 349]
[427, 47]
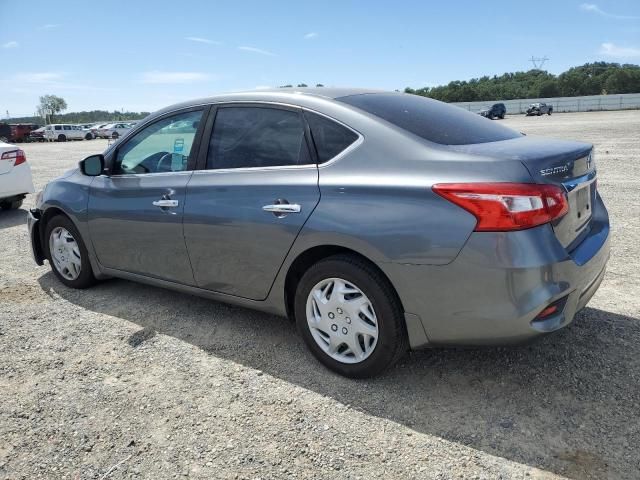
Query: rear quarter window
[430, 119]
[330, 138]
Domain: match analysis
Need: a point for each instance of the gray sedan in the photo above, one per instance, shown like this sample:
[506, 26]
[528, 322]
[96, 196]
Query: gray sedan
[378, 222]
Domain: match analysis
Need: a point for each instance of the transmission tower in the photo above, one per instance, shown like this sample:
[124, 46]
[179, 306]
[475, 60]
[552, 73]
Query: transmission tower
[538, 62]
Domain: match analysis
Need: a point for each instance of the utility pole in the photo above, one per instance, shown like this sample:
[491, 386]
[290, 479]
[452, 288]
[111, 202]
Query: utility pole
[538, 62]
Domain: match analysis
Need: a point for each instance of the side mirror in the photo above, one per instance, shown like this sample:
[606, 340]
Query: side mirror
[92, 166]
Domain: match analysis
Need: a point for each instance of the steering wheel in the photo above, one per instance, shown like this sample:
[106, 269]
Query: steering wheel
[166, 157]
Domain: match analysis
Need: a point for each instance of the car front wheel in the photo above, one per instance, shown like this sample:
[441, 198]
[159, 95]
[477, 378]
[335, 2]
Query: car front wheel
[350, 317]
[67, 253]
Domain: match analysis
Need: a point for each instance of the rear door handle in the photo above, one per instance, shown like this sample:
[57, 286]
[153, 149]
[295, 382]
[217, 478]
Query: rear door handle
[282, 208]
[165, 203]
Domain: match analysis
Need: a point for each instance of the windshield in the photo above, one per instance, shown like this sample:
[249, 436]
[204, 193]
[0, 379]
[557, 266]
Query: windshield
[430, 119]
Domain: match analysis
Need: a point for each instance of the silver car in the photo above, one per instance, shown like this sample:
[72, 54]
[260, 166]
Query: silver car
[379, 222]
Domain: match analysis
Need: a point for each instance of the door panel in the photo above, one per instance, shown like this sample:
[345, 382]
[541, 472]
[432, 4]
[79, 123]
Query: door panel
[132, 234]
[135, 215]
[236, 247]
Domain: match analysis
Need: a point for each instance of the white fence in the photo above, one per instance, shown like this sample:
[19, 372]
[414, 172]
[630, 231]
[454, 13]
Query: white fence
[564, 104]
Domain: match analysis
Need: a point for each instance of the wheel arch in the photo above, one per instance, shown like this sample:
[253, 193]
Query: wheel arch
[312, 255]
[54, 211]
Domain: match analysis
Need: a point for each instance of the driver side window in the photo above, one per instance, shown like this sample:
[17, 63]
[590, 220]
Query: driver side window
[163, 146]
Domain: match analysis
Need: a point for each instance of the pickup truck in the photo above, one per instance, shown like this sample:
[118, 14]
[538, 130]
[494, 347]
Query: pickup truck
[539, 108]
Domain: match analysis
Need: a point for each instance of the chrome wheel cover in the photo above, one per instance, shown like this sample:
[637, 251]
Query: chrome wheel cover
[65, 253]
[342, 320]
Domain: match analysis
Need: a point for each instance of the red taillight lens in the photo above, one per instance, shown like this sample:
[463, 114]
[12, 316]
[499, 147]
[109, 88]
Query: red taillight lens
[17, 155]
[502, 207]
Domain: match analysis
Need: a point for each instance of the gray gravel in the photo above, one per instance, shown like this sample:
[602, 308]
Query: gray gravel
[131, 381]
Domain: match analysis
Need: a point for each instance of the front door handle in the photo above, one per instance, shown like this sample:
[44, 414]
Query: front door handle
[282, 208]
[165, 203]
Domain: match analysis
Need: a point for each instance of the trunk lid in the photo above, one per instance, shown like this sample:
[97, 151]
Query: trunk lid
[566, 164]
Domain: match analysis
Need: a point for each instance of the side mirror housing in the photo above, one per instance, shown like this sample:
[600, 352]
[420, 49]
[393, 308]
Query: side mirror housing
[92, 166]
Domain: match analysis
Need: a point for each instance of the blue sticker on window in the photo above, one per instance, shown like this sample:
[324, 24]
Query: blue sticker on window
[178, 145]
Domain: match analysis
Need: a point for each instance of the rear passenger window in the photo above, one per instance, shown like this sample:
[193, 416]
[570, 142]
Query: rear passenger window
[329, 137]
[246, 137]
[58, 127]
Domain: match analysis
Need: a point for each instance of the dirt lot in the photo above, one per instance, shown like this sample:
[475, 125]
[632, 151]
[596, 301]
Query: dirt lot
[130, 381]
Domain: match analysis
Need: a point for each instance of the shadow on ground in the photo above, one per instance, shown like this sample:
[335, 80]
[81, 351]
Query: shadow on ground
[567, 403]
[11, 218]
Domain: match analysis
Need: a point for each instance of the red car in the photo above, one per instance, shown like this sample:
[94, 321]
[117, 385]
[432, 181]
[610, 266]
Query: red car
[20, 132]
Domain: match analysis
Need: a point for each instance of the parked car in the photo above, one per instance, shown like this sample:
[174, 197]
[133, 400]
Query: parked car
[88, 129]
[539, 109]
[377, 221]
[114, 130]
[20, 132]
[15, 177]
[5, 132]
[37, 135]
[62, 132]
[497, 110]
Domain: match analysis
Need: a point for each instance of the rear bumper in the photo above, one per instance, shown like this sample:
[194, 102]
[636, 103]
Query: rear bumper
[16, 182]
[493, 291]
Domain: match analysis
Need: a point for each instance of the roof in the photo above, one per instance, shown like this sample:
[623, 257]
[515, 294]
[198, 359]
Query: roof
[294, 95]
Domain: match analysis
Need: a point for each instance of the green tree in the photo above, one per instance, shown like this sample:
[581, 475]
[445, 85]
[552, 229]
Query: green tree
[51, 105]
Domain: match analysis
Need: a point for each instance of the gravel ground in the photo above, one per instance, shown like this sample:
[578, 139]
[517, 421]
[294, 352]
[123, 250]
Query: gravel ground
[130, 381]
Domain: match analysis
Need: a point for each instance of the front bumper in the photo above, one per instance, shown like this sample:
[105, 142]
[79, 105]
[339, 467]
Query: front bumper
[493, 291]
[33, 224]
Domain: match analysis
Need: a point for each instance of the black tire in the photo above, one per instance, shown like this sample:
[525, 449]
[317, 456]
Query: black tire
[549, 112]
[62, 138]
[86, 278]
[115, 135]
[502, 117]
[392, 341]
[88, 136]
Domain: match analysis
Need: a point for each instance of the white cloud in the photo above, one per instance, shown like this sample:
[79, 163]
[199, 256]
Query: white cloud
[593, 8]
[613, 50]
[40, 77]
[49, 26]
[157, 77]
[202, 40]
[310, 35]
[11, 44]
[257, 50]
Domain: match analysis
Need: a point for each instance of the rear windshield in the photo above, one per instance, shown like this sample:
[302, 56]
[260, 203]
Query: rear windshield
[432, 120]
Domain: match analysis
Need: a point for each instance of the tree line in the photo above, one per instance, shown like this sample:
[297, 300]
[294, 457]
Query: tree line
[598, 78]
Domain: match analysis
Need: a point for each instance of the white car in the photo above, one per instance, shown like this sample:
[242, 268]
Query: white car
[88, 129]
[15, 176]
[114, 130]
[61, 132]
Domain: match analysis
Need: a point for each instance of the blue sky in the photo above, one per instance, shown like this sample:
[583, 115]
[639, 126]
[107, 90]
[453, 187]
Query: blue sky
[143, 55]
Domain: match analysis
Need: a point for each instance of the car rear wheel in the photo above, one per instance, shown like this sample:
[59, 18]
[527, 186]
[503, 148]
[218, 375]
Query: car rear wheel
[350, 317]
[62, 138]
[67, 253]
[88, 136]
[115, 135]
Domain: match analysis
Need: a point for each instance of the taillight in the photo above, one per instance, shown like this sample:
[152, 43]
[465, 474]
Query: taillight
[18, 155]
[500, 207]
